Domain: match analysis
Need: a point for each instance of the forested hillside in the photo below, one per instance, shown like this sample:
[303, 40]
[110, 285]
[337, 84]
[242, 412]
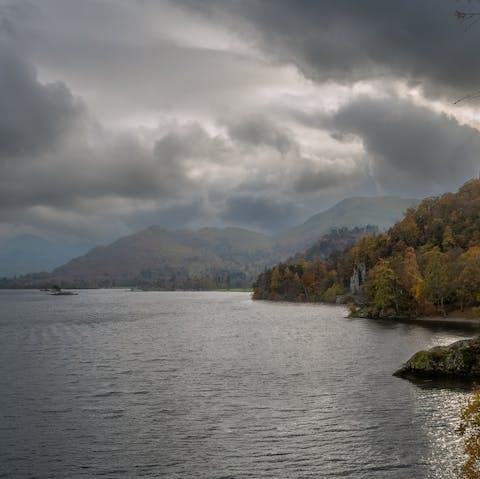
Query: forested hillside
[310, 276]
[428, 263]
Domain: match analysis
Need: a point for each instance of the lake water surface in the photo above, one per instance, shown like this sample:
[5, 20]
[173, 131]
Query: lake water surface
[213, 385]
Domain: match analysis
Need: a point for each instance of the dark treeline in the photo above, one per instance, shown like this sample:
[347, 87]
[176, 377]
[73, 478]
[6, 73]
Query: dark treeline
[428, 263]
[168, 280]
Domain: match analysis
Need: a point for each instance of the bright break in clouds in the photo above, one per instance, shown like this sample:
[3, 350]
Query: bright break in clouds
[121, 114]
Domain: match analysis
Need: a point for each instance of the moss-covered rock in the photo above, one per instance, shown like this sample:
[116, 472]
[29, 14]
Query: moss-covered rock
[460, 359]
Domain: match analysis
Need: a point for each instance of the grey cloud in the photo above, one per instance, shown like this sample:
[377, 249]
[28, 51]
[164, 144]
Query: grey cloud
[140, 145]
[48, 128]
[120, 167]
[34, 117]
[327, 177]
[92, 227]
[411, 149]
[178, 216]
[190, 141]
[260, 130]
[348, 40]
[121, 56]
[259, 212]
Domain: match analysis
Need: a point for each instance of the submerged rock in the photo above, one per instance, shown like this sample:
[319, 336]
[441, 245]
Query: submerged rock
[460, 359]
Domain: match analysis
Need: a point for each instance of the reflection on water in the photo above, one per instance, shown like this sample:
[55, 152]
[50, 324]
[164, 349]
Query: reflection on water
[436, 406]
[214, 385]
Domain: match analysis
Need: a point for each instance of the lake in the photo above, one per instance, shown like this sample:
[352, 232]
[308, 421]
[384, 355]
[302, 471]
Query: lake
[115, 383]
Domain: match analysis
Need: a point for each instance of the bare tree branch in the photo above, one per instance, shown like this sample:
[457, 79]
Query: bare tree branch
[468, 18]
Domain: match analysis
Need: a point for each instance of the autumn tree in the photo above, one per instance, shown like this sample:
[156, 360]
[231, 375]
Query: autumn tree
[467, 281]
[411, 276]
[382, 285]
[448, 241]
[331, 293]
[276, 280]
[469, 429]
[411, 280]
[405, 232]
[436, 277]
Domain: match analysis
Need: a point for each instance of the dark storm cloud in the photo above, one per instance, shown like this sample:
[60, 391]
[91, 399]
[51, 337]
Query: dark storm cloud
[351, 40]
[34, 117]
[260, 130]
[411, 149]
[66, 157]
[327, 178]
[121, 167]
[115, 115]
[259, 212]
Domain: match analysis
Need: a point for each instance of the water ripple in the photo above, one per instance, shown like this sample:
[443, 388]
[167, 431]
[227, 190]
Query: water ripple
[213, 385]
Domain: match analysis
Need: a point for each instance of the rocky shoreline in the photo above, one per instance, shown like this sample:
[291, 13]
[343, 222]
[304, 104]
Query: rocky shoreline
[458, 360]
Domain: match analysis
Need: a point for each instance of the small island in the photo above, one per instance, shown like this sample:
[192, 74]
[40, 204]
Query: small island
[57, 291]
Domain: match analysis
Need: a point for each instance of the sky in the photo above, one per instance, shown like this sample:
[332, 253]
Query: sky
[120, 114]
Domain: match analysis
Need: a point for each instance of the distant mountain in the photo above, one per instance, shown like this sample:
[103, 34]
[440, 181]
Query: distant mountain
[26, 253]
[379, 211]
[154, 257]
[210, 257]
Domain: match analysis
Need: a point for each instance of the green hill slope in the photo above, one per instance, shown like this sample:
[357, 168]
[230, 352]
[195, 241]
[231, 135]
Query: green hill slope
[381, 211]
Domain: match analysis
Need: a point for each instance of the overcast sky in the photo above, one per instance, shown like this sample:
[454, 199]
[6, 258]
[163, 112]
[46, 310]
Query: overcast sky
[119, 114]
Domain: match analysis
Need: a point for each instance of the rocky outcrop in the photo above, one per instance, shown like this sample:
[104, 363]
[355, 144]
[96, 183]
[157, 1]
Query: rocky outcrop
[458, 360]
[358, 277]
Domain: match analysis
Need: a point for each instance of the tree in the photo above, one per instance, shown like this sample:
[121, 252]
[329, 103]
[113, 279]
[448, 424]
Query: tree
[411, 276]
[276, 280]
[406, 231]
[308, 281]
[469, 429]
[330, 295]
[382, 287]
[411, 279]
[436, 277]
[467, 282]
[448, 241]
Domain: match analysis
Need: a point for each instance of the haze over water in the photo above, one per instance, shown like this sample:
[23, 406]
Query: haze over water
[213, 385]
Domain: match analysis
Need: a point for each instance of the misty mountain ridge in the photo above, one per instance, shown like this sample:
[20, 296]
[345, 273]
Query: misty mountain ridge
[211, 257]
[379, 211]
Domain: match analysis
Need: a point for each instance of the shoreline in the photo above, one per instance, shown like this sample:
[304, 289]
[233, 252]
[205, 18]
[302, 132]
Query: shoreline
[453, 319]
[440, 320]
